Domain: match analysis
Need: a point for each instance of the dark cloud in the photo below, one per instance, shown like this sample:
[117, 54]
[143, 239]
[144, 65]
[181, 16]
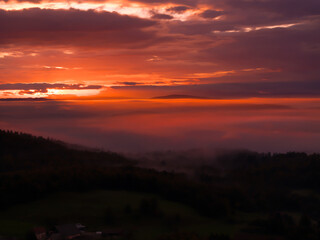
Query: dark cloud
[211, 13]
[162, 16]
[50, 20]
[24, 99]
[42, 87]
[128, 83]
[243, 12]
[72, 27]
[178, 9]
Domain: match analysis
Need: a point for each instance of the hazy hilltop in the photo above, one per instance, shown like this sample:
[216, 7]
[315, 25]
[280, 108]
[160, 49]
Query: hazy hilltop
[20, 151]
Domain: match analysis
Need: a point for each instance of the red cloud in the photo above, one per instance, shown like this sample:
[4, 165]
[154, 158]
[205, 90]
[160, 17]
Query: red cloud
[73, 27]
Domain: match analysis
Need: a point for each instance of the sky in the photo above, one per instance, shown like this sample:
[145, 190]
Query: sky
[146, 75]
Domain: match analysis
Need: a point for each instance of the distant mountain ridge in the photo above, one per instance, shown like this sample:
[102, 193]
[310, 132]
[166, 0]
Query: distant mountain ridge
[179, 96]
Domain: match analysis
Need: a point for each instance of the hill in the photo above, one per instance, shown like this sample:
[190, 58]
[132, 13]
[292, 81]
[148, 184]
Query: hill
[248, 195]
[20, 151]
[177, 96]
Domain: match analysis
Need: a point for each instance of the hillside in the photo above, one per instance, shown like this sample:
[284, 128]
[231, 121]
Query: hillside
[239, 193]
[20, 151]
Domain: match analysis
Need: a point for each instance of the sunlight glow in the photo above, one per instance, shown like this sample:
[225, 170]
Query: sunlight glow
[129, 9]
[120, 7]
[50, 93]
[76, 92]
[250, 29]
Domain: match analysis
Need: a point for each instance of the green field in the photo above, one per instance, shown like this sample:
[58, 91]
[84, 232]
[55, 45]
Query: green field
[100, 210]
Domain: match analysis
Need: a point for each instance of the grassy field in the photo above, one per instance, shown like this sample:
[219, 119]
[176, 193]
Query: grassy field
[108, 209]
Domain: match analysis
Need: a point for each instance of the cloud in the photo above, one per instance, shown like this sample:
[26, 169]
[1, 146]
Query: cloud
[45, 86]
[29, 89]
[199, 27]
[283, 48]
[178, 9]
[128, 83]
[271, 12]
[37, 26]
[211, 13]
[242, 15]
[24, 99]
[221, 58]
[162, 16]
[182, 2]
[146, 2]
[288, 8]
[50, 20]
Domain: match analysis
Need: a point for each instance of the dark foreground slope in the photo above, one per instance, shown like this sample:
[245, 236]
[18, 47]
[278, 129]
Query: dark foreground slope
[33, 167]
[239, 195]
[19, 151]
